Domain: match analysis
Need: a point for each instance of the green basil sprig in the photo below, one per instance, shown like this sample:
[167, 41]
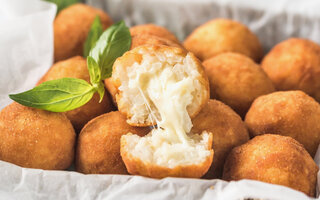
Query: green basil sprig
[66, 94]
[95, 32]
[62, 4]
[113, 42]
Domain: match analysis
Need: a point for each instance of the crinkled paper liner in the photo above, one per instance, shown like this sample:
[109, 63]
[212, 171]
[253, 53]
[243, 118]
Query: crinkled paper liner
[26, 50]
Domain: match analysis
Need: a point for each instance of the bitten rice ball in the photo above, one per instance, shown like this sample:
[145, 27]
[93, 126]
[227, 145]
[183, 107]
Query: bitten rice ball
[36, 138]
[157, 60]
[294, 64]
[140, 40]
[228, 132]
[273, 159]
[165, 86]
[76, 67]
[223, 35]
[71, 28]
[98, 150]
[236, 80]
[289, 113]
[155, 30]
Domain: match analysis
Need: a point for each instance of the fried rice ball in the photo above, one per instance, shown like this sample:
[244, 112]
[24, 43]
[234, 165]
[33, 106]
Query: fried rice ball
[228, 132]
[236, 80]
[132, 103]
[294, 64]
[165, 86]
[223, 35]
[35, 138]
[98, 150]
[76, 67]
[273, 159]
[144, 39]
[289, 113]
[71, 28]
[155, 30]
[140, 40]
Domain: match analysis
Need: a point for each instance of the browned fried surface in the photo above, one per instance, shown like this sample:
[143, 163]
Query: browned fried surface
[290, 113]
[111, 89]
[223, 35]
[144, 39]
[236, 80]
[76, 67]
[35, 138]
[273, 159]
[152, 29]
[228, 132]
[98, 150]
[133, 56]
[136, 166]
[71, 28]
[294, 64]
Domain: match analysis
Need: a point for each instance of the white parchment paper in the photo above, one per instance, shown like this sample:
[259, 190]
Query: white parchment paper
[26, 49]
[26, 44]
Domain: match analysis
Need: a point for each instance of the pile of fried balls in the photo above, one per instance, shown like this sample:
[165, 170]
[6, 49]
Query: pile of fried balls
[263, 111]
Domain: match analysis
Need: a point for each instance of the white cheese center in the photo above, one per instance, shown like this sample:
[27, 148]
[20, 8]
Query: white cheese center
[166, 88]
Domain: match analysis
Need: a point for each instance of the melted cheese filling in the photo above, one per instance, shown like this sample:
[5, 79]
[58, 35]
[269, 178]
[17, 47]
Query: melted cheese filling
[166, 89]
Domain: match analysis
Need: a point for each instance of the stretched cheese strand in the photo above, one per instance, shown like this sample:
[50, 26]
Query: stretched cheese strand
[171, 97]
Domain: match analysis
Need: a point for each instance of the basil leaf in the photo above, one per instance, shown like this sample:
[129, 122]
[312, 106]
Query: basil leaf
[113, 43]
[62, 4]
[57, 95]
[94, 70]
[101, 90]
[93, 36]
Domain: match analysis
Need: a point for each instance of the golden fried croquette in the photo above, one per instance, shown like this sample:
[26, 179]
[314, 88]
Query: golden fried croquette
[152, 29]
[223, 35]
[76, 67]
[188, 165]
[98, 150]
[35, 138]
[165, 86]
[71, 28]
[131, 102]
[273, 159]
[112, 90]
[236, 80]
[289, 113]
[228, 132]
[294, 64]
[139, 40]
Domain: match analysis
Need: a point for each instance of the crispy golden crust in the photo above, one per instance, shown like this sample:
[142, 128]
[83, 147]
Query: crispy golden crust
[136, 166]
[140, 40]
[290, 113]
[133, 56]
[236, 80]
[294, 64]
[35, 138]
[98, 150]
[76, 67]
[111, 89]
[273, 159]
[223, 35]
[144, 39]
[151, 29]
[228, 132]
[71, 28]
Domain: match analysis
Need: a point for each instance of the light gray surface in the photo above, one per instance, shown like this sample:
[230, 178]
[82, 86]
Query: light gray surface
[272, 20]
